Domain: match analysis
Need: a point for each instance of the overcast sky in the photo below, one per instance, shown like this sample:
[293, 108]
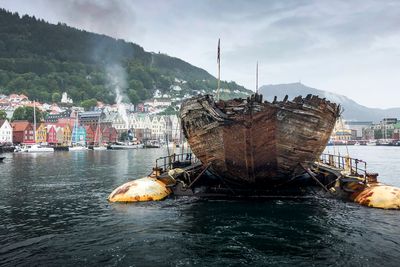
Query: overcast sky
[347, 47]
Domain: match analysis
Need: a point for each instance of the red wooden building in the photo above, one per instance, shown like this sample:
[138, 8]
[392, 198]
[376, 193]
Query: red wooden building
[51, 134]
[23, 132]
[109, 135]
[90, 133]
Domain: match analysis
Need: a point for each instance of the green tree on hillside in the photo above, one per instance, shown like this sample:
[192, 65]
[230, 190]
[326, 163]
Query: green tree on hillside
[26, 113]
[55, 97]
[89, 104]
[133, 97]
[3, 115]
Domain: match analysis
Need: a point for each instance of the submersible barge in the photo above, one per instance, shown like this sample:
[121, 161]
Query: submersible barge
[331, 176]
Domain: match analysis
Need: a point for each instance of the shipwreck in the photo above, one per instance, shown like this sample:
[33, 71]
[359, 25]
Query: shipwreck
[253, 143]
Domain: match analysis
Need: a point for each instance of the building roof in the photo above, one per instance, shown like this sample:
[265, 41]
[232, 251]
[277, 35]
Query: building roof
[19, 126]
[90, 114]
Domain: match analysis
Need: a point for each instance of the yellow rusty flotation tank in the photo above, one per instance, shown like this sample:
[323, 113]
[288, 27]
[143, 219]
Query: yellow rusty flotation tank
[143, 189]
[378, 195]
[153, 187]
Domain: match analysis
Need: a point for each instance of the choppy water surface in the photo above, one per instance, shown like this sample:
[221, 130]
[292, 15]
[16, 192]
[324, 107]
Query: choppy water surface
[54, 212]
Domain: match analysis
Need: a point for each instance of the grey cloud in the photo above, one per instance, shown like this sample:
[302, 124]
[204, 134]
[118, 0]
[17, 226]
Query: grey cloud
[110, 17]
[330, 44]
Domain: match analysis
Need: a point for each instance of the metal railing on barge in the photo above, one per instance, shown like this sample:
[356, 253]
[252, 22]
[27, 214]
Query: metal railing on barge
[354, 167]
[175, 161]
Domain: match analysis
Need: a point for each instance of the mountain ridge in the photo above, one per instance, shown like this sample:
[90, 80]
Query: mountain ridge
[351, 109]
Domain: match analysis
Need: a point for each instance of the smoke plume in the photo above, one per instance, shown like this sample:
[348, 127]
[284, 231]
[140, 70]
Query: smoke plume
[116, 78]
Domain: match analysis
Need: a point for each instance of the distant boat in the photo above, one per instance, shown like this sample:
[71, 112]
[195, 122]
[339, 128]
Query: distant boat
[152, 144]
[384, 142]
[37, 148]
[75, 145]
[371, 143]
[99, 148]
[77, 148]
[34, 148]
[126, 145]
[2, 158]
[98, 136]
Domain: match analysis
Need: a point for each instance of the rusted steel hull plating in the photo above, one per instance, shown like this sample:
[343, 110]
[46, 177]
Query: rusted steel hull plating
[257, 143]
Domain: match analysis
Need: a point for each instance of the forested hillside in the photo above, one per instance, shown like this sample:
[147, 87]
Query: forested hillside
[42, 60]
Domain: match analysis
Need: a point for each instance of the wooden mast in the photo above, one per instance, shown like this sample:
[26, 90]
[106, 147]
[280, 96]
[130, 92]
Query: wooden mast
[257, 78]
[34, 121]
[219, 68]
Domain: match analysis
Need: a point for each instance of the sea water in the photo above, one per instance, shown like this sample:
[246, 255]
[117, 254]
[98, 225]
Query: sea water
[54, 212]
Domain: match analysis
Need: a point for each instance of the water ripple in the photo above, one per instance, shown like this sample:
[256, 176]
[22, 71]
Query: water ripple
[56, 214]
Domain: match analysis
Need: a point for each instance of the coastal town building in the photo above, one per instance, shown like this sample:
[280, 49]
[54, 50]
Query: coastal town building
[173, 128]
[118, 122]
[78, 135]
[341, 132]
[90, 134]
[368, 134]
[63, 133]
[396, 131]
[54, 118]
[41, 134]
[109, 135]
[158, 102]
[5, 132]
[51, 136]
[15, 98]
[158, 128]
[358, 127]
[90, 117]
[3, 103]
[22, 132]
[65, 98]
[142, 134]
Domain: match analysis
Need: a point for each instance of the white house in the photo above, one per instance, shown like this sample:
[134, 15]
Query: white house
[119, 123]
[157, 94]
[158, 127]
[158, 102]
[5, 132]
[176, 88]
[65, 98]
[15, 98]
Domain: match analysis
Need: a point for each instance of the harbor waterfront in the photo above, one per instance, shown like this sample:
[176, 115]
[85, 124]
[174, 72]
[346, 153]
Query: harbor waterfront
[54, 212]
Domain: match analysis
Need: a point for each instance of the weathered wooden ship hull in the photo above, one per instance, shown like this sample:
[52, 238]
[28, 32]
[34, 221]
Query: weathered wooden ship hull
[258, 143]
